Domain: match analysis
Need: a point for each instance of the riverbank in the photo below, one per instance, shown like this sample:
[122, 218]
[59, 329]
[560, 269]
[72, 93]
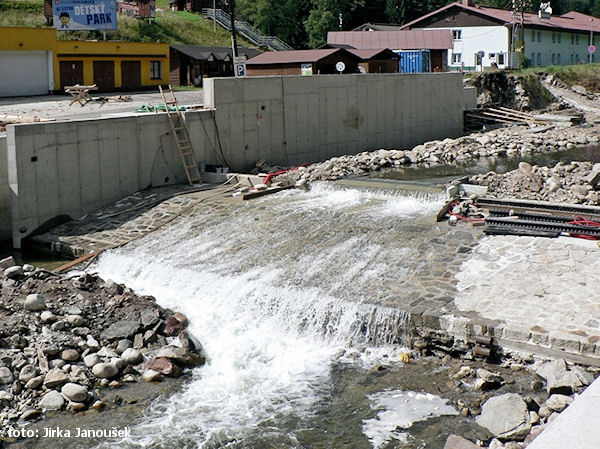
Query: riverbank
[69, 342]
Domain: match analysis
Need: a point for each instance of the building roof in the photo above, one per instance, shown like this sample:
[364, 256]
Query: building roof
[294, 56]
[374, 53]
[377, 27]
[573, 21]
[396, 40]
[218, 53]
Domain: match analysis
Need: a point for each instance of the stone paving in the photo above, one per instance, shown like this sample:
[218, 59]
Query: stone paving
[124, 221]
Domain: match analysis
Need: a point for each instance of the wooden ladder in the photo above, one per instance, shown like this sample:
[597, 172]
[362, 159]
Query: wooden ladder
[182, 138]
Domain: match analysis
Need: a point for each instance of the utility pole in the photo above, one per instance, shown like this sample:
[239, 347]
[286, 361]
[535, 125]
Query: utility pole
[233, 39]
[214, 16]
[591, 55]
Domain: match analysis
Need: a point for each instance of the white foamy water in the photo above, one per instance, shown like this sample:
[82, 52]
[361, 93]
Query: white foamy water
[267, 291]
[400, 410]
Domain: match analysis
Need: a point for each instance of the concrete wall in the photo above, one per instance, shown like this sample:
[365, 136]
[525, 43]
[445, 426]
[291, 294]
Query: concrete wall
[290, 120]
[5, 216]
[71, 168]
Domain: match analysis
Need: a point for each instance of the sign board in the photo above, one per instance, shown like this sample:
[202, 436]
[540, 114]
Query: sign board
[84, 14]
[592, 49]
[306, 69]
[340, 66]
[239, 66]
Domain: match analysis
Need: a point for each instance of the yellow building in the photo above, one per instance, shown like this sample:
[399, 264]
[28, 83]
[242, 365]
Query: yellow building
[33, 61]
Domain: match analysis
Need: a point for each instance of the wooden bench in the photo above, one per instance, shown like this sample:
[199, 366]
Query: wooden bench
[80, 94]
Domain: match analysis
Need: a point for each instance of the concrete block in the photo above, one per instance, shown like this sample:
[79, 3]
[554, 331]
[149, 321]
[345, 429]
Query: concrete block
[5, 213]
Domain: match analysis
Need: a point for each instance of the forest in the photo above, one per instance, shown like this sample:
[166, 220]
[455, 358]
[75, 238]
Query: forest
[304, 23]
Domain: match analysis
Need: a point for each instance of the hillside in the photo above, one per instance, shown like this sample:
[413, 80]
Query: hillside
[176, 27]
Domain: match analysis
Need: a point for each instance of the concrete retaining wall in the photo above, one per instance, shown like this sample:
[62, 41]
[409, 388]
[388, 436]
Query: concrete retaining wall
[5, 217]
[290, 120]
[70, 168]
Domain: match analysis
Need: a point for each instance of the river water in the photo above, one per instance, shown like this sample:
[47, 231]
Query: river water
[291, 298]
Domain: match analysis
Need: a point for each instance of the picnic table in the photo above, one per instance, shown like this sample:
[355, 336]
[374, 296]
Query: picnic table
[80, 94]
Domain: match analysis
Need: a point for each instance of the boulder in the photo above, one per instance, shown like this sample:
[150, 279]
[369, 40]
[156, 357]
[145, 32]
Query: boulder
[558, 378]
[55, 378]
[132, 356]
[30, 414]
[506, 416]
[74, 392]
[456, 442]
[121, 329]
[75, 320]
[7, 262]
[14, 272]
[148, 318]
[558, 402]
[34, 302]
[91, 360]
[181, 356]
[52, 400]
[105, 370]
[69, 355]
[151, 376]
[35, 383]
[27, 373]
[163, 366]
[6, 375]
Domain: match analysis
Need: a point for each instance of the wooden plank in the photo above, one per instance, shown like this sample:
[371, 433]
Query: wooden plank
[267, 191]
[78, 261]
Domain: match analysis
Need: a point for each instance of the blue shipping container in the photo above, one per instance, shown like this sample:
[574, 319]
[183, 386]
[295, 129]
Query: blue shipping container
[414, 61]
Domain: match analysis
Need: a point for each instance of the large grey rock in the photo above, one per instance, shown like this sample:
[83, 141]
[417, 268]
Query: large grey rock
[55, 378]
[14, 272]
[34, 302]
[132, 356]
[151, 376]
[558, 378]
[558, 402]
[74, 392]
[105, 370]
[35, 383]
[506, 416]
[7, 262]
[121, 329]
[27, 373]
[69, 355]
[91, 360]
[6, 375]
[488, 376]
[52, 400]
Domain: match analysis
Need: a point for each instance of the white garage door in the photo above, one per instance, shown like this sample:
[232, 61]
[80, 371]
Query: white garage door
[24, 73]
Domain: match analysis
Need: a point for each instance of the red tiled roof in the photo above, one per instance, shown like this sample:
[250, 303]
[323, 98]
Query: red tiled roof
[292, 57]
[570, 21]
[396, 40]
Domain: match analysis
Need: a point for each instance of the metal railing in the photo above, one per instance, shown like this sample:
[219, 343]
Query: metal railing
[246, 30]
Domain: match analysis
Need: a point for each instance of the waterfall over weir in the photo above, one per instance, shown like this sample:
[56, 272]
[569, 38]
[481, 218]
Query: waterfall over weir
[280, 291]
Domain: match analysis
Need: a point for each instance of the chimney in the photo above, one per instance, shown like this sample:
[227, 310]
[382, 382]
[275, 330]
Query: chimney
[468, 2]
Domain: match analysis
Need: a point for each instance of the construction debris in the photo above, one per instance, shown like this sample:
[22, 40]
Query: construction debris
[6, 119]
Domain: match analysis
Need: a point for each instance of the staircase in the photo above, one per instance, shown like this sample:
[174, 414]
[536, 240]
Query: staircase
[246, 30]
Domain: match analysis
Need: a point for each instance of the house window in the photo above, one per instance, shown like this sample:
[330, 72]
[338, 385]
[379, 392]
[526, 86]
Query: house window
[533, 35]
[501, 59]
[155, 70]
[532, 58]
[456, 58]
[553, 37]
[539, 59]
[572, 58]
[539, 36]
[558, 36]
[577, 39]
[572, 38]
[457, 35]
[558, 59]
[553, 58]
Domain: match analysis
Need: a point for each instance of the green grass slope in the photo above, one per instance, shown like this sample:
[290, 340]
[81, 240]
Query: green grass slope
[174, 27]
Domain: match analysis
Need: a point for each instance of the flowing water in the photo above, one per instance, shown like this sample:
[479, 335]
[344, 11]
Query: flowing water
[294, 298]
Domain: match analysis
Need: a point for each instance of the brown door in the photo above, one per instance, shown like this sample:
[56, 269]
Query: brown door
[131, 75]
[104, 75]
[436, 61]
[71, 73]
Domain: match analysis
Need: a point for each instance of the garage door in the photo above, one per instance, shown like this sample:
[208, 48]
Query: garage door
[23, 73]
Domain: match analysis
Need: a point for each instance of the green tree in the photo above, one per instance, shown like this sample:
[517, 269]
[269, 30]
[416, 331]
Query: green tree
[325, 16]
[396, 10]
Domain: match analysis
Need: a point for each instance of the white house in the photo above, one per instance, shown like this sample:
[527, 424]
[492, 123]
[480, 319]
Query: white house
[483, 36]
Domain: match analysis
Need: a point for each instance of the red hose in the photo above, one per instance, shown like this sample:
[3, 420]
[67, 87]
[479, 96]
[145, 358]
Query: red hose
[272, 175]
[583, 221]
[460, 217]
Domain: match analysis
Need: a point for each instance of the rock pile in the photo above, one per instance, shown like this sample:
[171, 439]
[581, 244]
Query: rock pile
[514, 140]
[574, 182]
[514, 420]
[61, 338]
